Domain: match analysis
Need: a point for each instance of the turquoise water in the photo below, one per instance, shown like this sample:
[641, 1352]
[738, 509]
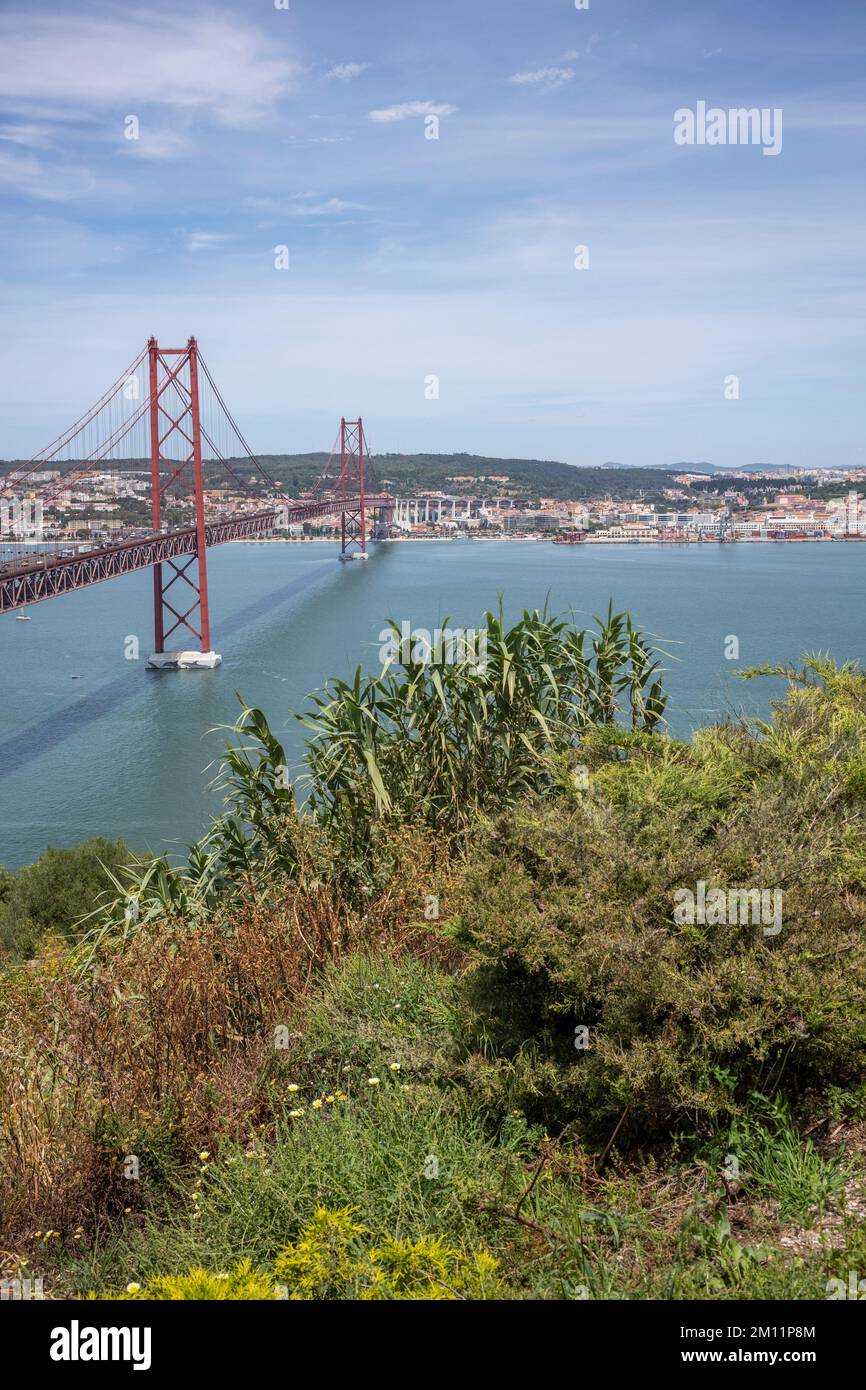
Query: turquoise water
[123, 751]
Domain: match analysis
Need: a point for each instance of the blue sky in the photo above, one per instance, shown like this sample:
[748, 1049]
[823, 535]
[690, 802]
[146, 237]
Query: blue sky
[410, 257]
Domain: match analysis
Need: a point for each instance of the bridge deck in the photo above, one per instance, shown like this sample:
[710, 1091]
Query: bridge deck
[43, 577]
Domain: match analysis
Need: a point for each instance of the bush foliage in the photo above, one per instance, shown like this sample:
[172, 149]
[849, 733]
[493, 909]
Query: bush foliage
[51, 896]
[344, 1042]
[334, 1258]
[569, 911]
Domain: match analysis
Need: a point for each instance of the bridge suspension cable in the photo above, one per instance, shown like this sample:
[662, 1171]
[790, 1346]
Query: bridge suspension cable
[164, 430]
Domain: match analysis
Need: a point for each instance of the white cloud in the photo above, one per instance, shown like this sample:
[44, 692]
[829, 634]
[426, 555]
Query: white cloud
[83, 64]
[204, 241]
[305, 208]
[412, 108]
[157, 143]
[548, 78]
[344, 72]
[303, 205]
[28, 134]
[27, 175]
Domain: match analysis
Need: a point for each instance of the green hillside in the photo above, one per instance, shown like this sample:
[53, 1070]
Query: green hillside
[475, 474]
[478, 474]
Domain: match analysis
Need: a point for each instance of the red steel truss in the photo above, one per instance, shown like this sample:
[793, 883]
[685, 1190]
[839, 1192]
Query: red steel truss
[353, 520]
[166, 422]
[42, 578]
[174, 384]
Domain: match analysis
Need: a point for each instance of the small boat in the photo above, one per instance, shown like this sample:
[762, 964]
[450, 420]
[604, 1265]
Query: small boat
[22, 617]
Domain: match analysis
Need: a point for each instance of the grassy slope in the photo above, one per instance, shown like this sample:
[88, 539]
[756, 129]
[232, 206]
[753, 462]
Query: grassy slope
[725, 1044]
[657, 1227]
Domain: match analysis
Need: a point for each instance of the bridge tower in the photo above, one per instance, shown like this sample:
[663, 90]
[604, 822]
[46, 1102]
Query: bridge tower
[176, 456]
[353, 523]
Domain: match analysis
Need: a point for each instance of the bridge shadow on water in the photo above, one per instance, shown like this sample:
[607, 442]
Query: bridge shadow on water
[29, 745]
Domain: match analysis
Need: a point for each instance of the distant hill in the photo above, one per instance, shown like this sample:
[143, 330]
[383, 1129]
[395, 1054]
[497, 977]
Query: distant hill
[477, 474]
[715, 468]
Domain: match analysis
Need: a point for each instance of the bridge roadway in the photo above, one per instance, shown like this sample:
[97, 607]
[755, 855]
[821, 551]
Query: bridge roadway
[42, 577]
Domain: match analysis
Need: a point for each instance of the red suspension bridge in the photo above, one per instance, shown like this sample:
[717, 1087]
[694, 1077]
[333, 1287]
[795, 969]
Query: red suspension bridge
[165, 420]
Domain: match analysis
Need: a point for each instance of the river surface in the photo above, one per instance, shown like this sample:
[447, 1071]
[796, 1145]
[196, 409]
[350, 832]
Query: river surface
[121, 751]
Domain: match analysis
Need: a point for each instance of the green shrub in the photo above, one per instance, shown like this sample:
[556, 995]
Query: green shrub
[242, 1283]
[424, 744]
[336, 1257]
[51, 896]
[569, 912]
[441, 742]
[333, 1259]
